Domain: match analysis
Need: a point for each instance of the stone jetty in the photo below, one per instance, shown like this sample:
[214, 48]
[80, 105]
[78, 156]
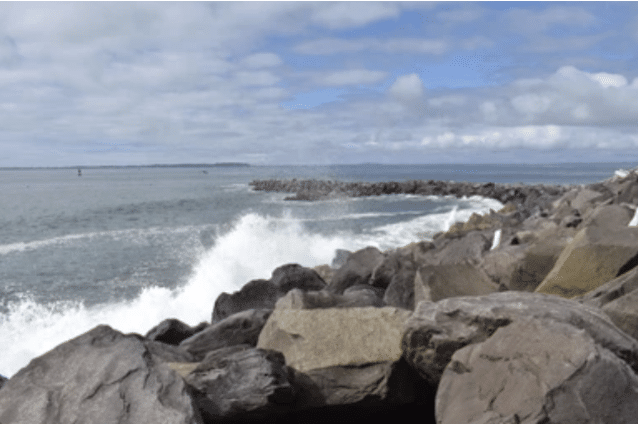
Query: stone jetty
[526, 315]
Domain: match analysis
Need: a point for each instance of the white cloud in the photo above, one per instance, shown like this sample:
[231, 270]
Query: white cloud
[451, 100]
[461, 15]
[248, 78]
[531, 104]
[407, 88]
[351, 77]
[353, 14]
[539, 21]
[328, 46]
[262, 60]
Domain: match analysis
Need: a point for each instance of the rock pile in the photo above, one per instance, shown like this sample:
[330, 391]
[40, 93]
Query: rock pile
[525, 315]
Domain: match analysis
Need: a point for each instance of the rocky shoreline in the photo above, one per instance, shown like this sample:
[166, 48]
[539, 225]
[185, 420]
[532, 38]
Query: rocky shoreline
[523, 315]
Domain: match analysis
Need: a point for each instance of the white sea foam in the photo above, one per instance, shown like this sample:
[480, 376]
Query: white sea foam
[251, 248]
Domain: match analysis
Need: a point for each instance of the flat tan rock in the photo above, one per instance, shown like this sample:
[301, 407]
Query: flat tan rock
[595, 256]
[320, 338]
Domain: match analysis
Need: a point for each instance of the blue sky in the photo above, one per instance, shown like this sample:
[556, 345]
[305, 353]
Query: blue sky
[101, 83]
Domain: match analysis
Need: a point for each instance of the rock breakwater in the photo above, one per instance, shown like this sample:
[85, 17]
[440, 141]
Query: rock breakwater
[524, 315]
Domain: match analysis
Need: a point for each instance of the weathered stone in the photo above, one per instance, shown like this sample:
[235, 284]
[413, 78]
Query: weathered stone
[321, 338]
[585, 199]
[612, 290]
[298, 299]
[168, 353]
[372, 384]
[256, 294]
[537, 371]
[595, 256]
[452, 280]
[242, 383]
[295, 276]
[357, 269]
[471, 248]
[436, 330]
[3, 380]
[325, 272]
[101, 377]
[172, 331]
[242, 327]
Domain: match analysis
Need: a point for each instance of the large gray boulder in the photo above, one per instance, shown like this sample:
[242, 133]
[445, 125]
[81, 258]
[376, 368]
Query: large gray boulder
[343, 356]
[598, 253]
[355, 296]
[537, 371]
[172, 331]
[256, 294]
[100, 377]
[357, 269]
[436, 282]
[619, 300]
[263, 294]
[241, 328]
[295, 276]
[241, 383]
[320, 338]
[436, 330]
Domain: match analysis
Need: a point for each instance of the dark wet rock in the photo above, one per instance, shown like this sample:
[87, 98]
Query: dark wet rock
[172, 331]
[295, 276]
[168, 353]
[340, 258]
[241, 328]
[263, 294]
[357, 269]
[240, 383]
[256, 294]
[3, 380]
[368, 385]
[537, 371]
[101, 377]
[436, 330]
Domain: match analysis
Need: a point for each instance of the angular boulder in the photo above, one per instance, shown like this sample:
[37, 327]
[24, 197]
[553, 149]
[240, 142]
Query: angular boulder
[101, 377]
[241, 328]
[298, 299]
[596, 255]
[256, 294]
[295, 276]
[357, 269]
[321, 338]
[172, 331]
[436, 330]
[436, 282]
[242, 383]
[537, 371]
[619, 300]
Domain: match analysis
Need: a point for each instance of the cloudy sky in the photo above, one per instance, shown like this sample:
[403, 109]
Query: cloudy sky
[123, 83]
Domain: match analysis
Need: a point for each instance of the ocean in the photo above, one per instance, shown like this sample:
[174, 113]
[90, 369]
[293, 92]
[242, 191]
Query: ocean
[132, 246]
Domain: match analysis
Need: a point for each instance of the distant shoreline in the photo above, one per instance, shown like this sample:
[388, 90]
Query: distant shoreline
[178, 165]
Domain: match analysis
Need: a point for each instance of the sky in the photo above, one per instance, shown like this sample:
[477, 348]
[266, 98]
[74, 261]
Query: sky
[275, 83]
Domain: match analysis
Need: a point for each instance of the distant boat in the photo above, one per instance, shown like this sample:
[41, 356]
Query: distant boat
[79, 172]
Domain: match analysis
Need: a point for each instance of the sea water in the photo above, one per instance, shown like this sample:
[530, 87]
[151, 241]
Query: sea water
[130, 247]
